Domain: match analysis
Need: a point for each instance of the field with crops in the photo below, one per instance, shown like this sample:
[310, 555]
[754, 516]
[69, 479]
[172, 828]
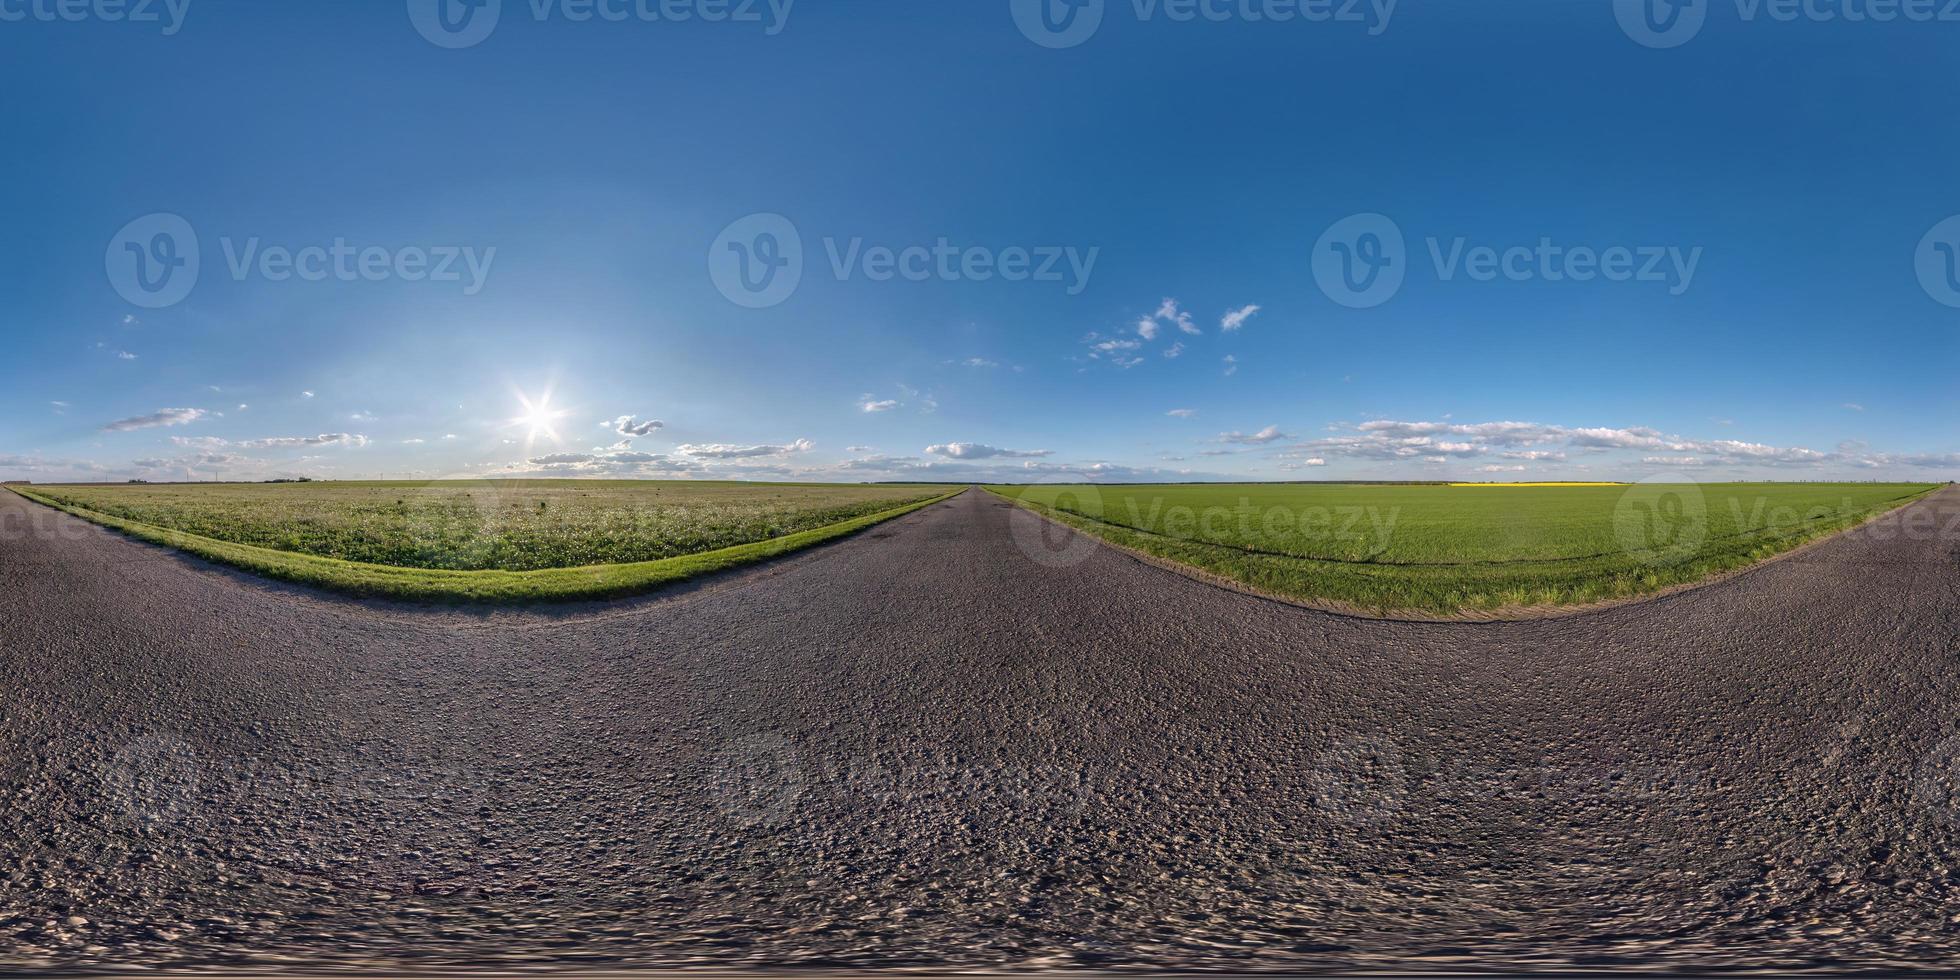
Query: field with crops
[1464, 548]
[502, 525]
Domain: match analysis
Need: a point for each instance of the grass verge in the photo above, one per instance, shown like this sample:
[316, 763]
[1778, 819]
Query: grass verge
[471, 587]
[1466, 591]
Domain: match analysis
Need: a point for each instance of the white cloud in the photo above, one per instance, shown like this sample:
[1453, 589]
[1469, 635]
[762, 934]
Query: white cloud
[1174, 349]
[363, 417]
[723, 451]
[1391, 440]
[607, 463]
[632, 426]
[413, 442]
[451, 435]
[974, 450]
[860, 449]
[981, 362]
[1169, 313]
[1182, 413]
[1147, 329]
[192, 462]
[880, 463]
[870, 404]
[42, 467]
[1231, 365]
[1266, 435]
[328, 439]
[1948, 461]
[60, 408]
[1236, 318]
[306, 394]
[125, 355]
[1854, 406]
[160, 419]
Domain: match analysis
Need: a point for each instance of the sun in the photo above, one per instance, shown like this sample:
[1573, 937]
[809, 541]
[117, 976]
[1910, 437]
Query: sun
[538, 418]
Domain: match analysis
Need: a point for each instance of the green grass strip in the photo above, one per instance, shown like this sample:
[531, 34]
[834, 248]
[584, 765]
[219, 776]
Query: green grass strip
[443, 586]
[1473, 592]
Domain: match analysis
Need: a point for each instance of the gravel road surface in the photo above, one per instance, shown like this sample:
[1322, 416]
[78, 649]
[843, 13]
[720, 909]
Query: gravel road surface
[924, 747]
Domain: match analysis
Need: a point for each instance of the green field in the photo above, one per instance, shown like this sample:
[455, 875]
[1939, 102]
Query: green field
[1443, 549]
[487, 540]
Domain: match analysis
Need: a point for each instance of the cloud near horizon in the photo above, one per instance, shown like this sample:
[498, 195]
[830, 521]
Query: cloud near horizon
[973, 450]
[1266, 435]
[161, 418]
[631, 426]
[1388, 440]
[722, 451]
[328, 439]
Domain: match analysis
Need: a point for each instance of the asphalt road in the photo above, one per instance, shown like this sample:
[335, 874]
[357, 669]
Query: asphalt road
[923, 747]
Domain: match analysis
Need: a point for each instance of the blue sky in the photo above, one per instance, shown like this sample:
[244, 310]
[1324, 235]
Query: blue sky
[1735, 259]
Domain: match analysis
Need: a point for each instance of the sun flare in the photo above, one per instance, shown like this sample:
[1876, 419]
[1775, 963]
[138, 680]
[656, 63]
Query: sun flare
[538, 418]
